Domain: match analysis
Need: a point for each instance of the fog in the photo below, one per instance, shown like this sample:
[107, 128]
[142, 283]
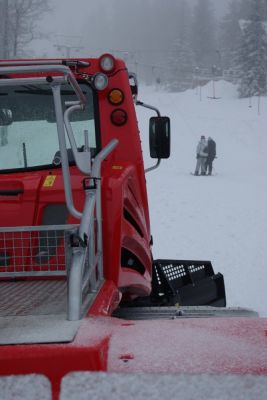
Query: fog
[141, 32]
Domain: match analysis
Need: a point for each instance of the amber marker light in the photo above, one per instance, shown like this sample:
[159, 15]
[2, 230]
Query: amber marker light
[116, 97]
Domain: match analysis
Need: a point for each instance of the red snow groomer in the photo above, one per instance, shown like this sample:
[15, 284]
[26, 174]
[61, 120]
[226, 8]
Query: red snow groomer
[79, 289]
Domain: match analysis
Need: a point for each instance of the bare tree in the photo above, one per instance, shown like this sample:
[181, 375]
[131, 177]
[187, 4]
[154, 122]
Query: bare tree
[4, 32]
[19, 27]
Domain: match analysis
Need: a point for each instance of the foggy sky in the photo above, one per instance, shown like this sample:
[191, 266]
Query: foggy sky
[73, 32]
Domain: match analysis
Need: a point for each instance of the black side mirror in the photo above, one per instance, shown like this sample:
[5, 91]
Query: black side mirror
[6, 117]
[159, 137]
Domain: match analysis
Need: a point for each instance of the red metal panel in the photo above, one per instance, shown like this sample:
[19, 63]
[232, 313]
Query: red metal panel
[215, 345]
[19, 209]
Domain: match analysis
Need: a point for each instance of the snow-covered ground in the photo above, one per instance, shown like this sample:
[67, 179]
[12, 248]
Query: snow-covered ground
[222, 218]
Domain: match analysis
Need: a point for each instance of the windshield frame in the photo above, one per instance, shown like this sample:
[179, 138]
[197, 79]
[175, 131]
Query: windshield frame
[94, 152]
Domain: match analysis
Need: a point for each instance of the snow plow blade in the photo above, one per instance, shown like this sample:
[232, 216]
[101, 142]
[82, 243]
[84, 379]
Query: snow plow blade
[187, 283]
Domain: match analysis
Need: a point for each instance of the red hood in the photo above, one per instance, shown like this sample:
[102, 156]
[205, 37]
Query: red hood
[195, 345]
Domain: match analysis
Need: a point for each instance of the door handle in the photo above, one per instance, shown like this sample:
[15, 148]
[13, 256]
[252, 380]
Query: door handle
[11, 192]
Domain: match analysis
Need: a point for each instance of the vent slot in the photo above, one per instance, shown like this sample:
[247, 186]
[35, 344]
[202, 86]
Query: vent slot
[129, 260]
[129, 218]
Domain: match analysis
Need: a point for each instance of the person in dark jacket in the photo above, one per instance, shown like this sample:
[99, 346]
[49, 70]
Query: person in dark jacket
[211, 150]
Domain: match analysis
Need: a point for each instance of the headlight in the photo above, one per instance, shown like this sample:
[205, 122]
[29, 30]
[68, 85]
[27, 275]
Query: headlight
[100, 81]
[107, 63]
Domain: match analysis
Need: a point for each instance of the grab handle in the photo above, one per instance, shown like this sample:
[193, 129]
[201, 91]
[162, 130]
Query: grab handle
[11, 192]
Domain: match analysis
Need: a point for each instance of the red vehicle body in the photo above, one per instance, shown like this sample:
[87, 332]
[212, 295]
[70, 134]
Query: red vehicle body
[35, 196]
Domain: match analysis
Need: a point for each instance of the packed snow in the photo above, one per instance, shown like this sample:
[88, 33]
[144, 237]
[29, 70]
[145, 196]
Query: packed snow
[108, 386]
[222, 218]
[25, 387]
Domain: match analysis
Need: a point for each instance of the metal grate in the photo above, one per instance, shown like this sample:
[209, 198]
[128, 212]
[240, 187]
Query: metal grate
[33, 297]
[196, 268]
[173, 271]
[31, 251]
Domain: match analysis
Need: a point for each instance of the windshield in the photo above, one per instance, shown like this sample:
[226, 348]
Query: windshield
[28, 130]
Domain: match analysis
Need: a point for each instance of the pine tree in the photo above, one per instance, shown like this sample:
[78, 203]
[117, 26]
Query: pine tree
[180, 54]
[181, 66]
[204, 42]
[252, 55]
[244, 9]
[230, 35]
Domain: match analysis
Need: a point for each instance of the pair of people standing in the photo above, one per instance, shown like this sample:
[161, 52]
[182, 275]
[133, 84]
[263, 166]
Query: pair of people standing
[206, 152]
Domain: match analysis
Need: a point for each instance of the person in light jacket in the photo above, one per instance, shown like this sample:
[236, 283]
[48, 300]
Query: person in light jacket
[201, 156]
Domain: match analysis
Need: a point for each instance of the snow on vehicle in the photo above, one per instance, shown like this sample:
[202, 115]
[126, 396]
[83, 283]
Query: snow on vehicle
[76, 264]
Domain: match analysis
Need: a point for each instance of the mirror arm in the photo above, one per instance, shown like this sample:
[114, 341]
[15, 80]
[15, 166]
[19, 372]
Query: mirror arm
[153, 166]
[133, 76]
[140, 103]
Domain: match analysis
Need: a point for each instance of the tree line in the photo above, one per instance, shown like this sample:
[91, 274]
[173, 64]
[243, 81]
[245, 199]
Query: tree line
[236, 44]
[170, 41]
[167, 41]
[19, 25]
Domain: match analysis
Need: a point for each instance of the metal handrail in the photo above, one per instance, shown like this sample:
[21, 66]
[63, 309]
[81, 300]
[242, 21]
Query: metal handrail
[68, 62]
[55, 68]
[37, 228]
[92, 201]
[82, 159]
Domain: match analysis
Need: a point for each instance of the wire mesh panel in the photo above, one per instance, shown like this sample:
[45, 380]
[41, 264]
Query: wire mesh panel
[30, 251]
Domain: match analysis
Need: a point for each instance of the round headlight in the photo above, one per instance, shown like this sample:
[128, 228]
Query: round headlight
[107, 62]
[100, 81]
